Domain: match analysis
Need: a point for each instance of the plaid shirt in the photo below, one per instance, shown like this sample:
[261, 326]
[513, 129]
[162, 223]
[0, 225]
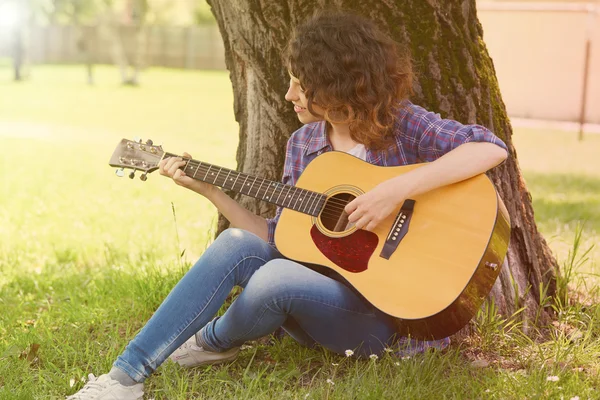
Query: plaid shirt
[421, 136]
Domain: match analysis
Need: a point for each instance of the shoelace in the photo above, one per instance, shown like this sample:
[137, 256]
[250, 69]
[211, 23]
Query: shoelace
[193, 347]
[90, 387]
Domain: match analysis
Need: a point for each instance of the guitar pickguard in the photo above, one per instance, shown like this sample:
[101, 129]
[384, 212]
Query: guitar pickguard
[351, 252]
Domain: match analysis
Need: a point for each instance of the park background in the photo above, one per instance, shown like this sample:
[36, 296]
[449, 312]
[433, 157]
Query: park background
[86, 257]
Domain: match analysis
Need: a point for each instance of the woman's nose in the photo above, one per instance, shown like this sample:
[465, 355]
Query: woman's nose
[291, 95]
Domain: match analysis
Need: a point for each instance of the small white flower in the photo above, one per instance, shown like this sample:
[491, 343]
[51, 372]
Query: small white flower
[349, 353]
[71, 382]
[373, 357]
[330, 382]
[334, 364]
[406, 358]
[388, 350]
[307, 394]
[575, 398]
[487, 391]
[396, 363]
[553, 378]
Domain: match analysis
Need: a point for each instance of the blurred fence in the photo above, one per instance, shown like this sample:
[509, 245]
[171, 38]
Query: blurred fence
[194, 47]
[539, 54]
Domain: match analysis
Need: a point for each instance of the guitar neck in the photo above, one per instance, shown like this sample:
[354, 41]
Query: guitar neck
[298, 199]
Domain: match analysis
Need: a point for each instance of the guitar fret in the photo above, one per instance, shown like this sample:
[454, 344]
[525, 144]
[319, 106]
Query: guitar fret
[322, 204]
[280, 191]
[236, 179]
[225, 182]
[288, 197]
[258, 191]
[265, 195]
[276, 189]
[315, 206]
[216, 177]
[309, 202]
[302, 199]
[269, 192]
[195, 172]
[297, 197]
[207, 171]
[310, 209]
[244, 184]
[251, 186]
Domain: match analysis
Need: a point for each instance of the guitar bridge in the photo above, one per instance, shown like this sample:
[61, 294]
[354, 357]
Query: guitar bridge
[399, 229]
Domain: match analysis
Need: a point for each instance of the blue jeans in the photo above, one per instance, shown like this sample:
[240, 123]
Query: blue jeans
[311, 307]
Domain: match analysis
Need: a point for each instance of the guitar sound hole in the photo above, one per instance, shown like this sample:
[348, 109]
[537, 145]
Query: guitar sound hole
[333, 217]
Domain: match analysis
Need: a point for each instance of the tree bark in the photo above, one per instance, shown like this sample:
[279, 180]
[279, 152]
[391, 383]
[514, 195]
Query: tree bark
[455, 77]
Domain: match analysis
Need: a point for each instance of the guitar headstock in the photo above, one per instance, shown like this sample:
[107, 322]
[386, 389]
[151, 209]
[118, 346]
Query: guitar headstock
[137, 156]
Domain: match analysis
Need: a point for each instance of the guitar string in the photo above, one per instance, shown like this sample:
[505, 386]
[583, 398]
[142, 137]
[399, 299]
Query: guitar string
[336, 205]
[334, 202]
[331, 207]
[199, 167]
[327, 210]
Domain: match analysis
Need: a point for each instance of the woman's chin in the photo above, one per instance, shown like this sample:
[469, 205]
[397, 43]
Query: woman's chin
[307, 119]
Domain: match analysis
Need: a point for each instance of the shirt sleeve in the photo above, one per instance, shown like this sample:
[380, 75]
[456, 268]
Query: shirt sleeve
[286, 180]
[272, 224]
[436, 136]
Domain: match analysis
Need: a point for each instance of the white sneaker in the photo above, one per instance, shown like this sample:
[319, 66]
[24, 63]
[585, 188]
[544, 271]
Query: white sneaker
[191, 355]
[106, 388]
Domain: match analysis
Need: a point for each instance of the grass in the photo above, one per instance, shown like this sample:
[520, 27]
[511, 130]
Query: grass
[85, 257]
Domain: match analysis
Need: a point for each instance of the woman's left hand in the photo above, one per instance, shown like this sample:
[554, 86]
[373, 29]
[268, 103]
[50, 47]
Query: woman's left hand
[368, 210]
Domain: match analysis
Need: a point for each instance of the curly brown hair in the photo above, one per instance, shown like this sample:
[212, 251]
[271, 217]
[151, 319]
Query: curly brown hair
[358, 74]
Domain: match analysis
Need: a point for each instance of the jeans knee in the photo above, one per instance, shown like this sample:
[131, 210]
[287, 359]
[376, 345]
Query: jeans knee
[273, 279]
[232, 235]
[235, 250]
[235, 240]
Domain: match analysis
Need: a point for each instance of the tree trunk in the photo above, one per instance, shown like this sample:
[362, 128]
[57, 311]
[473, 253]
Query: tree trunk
[85, 47]
[18, 52]
[455, 77]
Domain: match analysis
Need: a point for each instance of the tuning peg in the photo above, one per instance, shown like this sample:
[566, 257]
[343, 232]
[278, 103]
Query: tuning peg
[137, 139]
[149, 142]
[120, 172]
[144, 176]
[132, 174]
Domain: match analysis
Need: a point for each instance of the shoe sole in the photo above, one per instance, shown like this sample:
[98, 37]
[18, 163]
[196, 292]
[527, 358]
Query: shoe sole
[208, 362]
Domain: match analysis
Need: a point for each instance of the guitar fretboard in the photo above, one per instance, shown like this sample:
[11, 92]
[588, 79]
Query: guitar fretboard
[298, 199]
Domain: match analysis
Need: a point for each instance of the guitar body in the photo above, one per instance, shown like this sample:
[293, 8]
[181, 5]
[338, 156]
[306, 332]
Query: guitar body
[443, 266]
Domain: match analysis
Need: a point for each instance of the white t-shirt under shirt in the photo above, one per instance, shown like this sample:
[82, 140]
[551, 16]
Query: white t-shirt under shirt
[358, 151]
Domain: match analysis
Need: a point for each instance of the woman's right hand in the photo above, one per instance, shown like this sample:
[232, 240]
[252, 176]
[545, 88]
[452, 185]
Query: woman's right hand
[171, 167]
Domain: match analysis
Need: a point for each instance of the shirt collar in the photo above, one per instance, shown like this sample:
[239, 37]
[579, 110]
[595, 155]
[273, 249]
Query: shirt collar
[318, 139]
[319, 142]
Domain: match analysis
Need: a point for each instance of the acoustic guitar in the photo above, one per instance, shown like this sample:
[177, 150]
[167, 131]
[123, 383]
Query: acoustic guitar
[430, 264]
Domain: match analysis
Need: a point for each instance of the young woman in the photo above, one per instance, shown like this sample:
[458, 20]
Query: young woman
[349, 85]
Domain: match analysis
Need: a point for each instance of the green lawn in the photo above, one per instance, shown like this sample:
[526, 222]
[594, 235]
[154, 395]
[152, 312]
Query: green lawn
[86, 257]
